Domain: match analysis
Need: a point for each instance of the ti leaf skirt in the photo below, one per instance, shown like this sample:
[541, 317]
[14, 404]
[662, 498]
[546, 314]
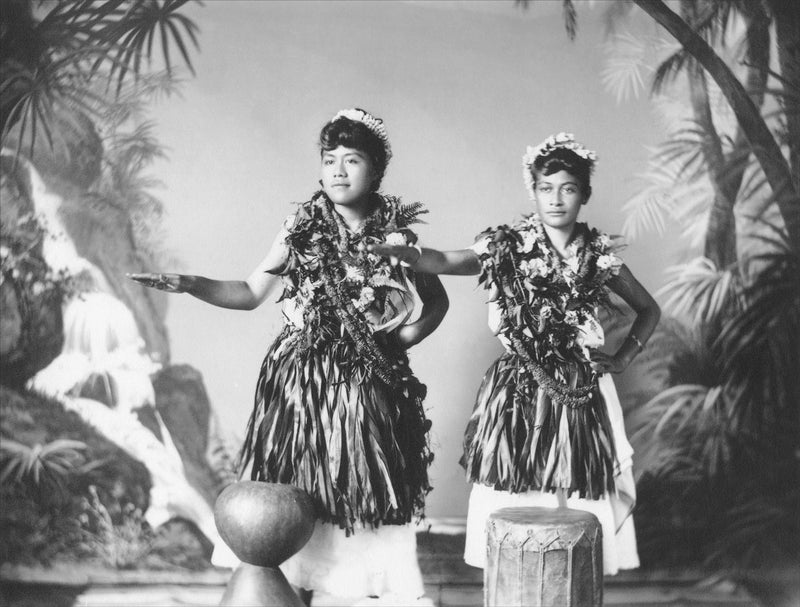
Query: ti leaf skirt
[322, 421]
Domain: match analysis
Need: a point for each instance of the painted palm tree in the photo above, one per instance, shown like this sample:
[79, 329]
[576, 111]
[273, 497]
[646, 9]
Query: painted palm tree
[725, 426]
[74, 78]
[702, 22]
[116, 222]
[55, 55]
[718, 433]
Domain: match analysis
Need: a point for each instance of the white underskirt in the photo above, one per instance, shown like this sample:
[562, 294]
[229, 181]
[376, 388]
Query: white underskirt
[378, 562]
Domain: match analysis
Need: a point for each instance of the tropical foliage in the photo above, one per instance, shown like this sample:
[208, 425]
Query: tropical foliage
[717, 433]
[75, 76]
[40, 465]
[716, 429]
[60, 59]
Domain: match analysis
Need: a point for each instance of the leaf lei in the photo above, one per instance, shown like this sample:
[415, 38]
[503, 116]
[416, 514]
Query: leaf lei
[544, 299]
[321, 231]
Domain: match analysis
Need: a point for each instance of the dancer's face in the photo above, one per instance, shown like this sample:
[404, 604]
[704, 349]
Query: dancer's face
[558, 200]
[347, 176]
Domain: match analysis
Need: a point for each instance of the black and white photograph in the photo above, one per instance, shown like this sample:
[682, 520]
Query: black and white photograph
[421, 303]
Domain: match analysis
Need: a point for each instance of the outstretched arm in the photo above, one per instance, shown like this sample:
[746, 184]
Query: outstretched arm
[233, 294]
[647, 314]
[431, 261]
[434, 307]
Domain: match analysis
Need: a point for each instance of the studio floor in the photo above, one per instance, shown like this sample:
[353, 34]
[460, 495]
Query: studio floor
[449, 583]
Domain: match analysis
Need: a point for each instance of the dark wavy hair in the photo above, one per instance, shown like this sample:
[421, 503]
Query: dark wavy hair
[354, 134]
[563, 159]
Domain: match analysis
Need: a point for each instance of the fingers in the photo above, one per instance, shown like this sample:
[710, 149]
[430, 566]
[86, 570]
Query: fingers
[162, 282]
[148, 280]
[606, 364]
[602, 368]
[600, 361]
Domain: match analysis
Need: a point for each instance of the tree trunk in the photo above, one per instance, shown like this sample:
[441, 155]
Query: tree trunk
[765, 148]
[727, 173]
[787, 33]
[720, 240]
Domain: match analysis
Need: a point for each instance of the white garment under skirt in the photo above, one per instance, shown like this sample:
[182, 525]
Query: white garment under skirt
[613, 511]
[371, 562]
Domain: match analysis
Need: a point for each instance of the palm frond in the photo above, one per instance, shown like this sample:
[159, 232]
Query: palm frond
[672, 110]
[670, 195]
[755, 182]
[79, 41]
[570, 18]
[760, 346]
[31, 464]
[622, 73]
[40, 95]
[668, 70]
[647, 211]
[700, 291]
[132, 36]
[685, 147]
[656, 425]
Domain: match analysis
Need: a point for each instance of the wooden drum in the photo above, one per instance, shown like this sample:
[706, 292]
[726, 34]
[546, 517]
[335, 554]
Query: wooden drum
[543, 557]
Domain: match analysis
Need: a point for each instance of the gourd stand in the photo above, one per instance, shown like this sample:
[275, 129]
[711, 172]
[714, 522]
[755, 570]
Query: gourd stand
[263, 524]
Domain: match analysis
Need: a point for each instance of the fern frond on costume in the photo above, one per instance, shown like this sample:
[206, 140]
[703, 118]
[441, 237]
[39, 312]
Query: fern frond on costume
[409, 213]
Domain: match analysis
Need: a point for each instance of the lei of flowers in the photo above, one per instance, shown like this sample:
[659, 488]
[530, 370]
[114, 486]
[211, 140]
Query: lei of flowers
[341, 275]
[373, 123]
[546, 147]
[545, 299]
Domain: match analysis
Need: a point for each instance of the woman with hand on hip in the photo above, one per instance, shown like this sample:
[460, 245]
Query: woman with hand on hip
[547, 427]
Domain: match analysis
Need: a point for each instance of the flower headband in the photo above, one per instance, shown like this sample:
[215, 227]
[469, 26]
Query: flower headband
[371, 122]
[546, 147]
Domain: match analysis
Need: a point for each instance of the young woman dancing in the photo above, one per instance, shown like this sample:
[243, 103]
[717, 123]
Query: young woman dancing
[337, 410]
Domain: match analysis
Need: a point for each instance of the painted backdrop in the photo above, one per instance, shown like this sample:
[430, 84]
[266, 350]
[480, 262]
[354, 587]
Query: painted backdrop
[463, 88]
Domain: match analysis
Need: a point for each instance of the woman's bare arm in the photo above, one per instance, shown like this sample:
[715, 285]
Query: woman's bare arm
[435, 304]
[648, 313]
[233, 294]
[462, 262]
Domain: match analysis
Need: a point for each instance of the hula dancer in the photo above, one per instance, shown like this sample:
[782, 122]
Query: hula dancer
[337, 410]
[547, 427]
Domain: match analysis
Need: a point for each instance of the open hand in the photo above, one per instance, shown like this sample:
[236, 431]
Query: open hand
[171, 283]
[404, 253]
[605, 363]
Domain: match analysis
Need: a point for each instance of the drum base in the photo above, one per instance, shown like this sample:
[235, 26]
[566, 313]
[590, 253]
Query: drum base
[539, 557]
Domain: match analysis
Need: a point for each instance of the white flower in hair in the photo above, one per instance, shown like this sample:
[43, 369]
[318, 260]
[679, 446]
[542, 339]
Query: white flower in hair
[371, 122]
[546, 147]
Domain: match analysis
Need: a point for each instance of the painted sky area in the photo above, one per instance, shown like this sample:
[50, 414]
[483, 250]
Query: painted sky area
[462, 87]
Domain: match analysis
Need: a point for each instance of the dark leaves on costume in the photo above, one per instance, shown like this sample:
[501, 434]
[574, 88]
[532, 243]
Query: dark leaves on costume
[552, 341]
[514, 442]
[512, 431]
[322, 419]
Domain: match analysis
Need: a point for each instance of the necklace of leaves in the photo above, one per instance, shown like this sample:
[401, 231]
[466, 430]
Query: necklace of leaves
[557, 390]
[333, 275]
